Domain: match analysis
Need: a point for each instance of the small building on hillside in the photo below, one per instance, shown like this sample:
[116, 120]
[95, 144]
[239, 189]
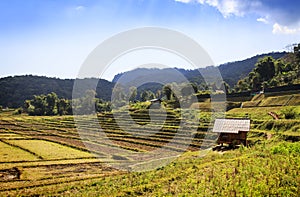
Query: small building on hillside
[232, 131]
[155, 103]
[156, 100]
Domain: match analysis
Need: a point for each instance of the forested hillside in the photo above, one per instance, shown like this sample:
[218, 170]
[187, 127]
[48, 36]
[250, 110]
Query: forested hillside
[234, 71]
[15, 90]
[231, 72]
[270, 73]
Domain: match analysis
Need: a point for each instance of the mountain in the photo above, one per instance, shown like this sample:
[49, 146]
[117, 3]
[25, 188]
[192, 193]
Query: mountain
[15, 90]
[231, 72]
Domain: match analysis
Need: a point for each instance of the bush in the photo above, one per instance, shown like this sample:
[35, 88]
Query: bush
[18, 111]
[289, 113]
[140, 105]
[286, 148]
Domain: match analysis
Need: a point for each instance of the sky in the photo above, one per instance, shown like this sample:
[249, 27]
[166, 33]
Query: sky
[53, 38]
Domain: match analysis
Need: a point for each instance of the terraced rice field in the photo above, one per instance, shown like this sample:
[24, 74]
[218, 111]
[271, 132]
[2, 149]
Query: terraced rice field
[48, 151]
[45, 153]
[36, 152]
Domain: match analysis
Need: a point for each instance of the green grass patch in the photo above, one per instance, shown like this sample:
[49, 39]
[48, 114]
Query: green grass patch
[276, 100]
[13, 154]
[50, 150]
[286, 148]
[255, 171]
[281, 125]
[261, 113]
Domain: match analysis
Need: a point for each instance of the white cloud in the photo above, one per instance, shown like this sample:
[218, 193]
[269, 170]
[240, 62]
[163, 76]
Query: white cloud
[263, 20]
[228, 7]
[80, 8]
[184, 1]
[283, 14]
[281, 29]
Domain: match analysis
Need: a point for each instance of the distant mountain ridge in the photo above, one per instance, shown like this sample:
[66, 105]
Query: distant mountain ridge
[15, 90]
[231, 72]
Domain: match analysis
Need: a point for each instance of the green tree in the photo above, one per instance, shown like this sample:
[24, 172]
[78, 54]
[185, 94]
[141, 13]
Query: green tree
[147, 95]
[297, 52]
[102, 106]
[132, 93]
[88, 102]
[242, 85]
[64, 107]
[38, 105]
[51, 104]
[118, 96]
[265, 67]
[167, 91]
[226, 87]
[189, 89]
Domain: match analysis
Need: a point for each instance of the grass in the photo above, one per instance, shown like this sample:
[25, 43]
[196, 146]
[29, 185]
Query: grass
[256, 171]
[276, 100]
[250, 103]
[259, 113]
[36, 163]
[50, 150]
[295, 100]
[13, 154]
[281, 126]
[7, 135]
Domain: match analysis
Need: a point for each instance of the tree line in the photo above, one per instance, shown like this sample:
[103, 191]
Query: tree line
[50, 105]
[15, 90]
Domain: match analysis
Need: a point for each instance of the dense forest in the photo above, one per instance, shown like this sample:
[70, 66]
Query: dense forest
[15, 90]
[269, 73]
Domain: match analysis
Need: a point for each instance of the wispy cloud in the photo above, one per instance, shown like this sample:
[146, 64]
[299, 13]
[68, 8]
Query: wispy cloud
[228, 7]
[263, 20]
[284, 14]
[79, 8]
[231, 7]
[184, 1]
[280, 29]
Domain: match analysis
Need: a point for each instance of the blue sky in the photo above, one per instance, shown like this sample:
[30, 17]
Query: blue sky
[53, 37]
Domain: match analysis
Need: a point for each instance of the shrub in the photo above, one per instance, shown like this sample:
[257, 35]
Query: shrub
[289, 112]
[286, 148]
[18, 111]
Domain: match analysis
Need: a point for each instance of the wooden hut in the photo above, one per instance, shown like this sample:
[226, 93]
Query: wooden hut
[232, 131]
[155, 103]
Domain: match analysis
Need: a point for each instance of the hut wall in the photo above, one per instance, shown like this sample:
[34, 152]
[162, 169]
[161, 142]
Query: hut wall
[229, 138]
